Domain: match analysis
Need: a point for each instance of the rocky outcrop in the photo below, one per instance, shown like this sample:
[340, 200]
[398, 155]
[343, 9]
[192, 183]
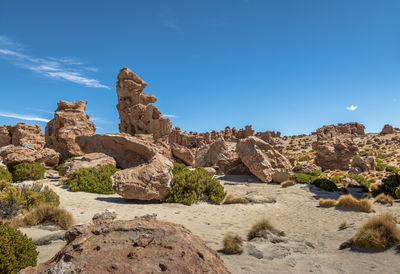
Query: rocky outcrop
[146, 182]
[262, 159]
[359, 164]
[388, 129]
[268, 136]
[214, 155]
[86, 161]
[305, 168]
[334, 153]
[16, 154]
[136, 112]
[183, 154]
[142, 245]
[69, 122]
[348, 129]
[22, 134]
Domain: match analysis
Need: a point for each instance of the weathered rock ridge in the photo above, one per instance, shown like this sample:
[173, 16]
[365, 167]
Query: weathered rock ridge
[22, 134]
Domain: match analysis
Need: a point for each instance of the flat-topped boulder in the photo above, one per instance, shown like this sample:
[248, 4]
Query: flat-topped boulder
[86, 161]
[16, 154]
[69, 122]
[183, 154]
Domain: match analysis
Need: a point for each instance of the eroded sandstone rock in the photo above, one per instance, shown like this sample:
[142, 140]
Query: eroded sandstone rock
[184, 154]
[22, 134]
[349, 129]
[16, 154]
[142, 245]
[359, 164]
[69, 122]
[136, 112]
[86, 161]
[261, 158]
[305, 168]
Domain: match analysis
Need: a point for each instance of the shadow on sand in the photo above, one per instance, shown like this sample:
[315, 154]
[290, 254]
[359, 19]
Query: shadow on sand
[120, 200]
[320, 193]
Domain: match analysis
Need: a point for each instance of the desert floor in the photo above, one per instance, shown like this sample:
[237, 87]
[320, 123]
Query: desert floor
[312, 234]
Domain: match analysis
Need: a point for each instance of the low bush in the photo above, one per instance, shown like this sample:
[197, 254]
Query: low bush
[60, 165]
[347, 201]
[17, 251]
[384, 199]
[230, 199]
[233, 244]
[360, 179]
[302, 178]
[336, 179]
[179, 168]
[47, 215]
[392, 169]
[315, 173]
[27, 171]
[379, 232]
[259, 229]
[327, 202]
[190, 186]
[390, 184]
[288, 183]
[5, 175]
[325, 184]
[343, 225]
[96, 180]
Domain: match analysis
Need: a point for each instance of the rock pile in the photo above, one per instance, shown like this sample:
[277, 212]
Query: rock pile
[16, 154]
[142, 245]
[22, 134]
[69, 122]
[388, 129]
[137, 113]
[349, 129]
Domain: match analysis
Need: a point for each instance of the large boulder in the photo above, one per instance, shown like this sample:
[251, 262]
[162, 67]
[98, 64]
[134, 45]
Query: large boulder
[388, 129]
[69, 122]
[262, 159]
[334, 153]
[142, 245]
[86, 161]
[183, 154]
[22, 134]
[214, 155]
[305, 168]
[16, 154]
[136, 112]
[359, 164]
[148, 181]
[348, 129]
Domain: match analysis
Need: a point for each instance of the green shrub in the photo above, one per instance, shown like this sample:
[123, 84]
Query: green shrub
[96, 180]
[360, 179]
[302, 178]
[60, 165]
[315, 173]
[178, 168]
[5, 175]
[390, 184]
[325, 184]
[336, 179]
[35, 195]
[397, 192]
[188, 187]
[17, 251]
[27, 171]
[11, 200]
[392, 169]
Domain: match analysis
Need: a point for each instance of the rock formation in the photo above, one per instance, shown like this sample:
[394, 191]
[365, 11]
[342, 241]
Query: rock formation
[16, 154]
[136, 112]
[22, 134]
[183, 154]
[209, 155]
[334, 153]
[388, 129]
[86, 161]
[142, 245]
[349, 129]
[262, 159]
[69, 122]
[305, 168]
[359, 164]
[148, 169]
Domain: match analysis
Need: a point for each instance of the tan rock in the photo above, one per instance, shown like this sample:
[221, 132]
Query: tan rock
[388, 129]
[182, 153]
[261, 158]
[16, 154]
[69, 122]
[359, 164]
[211, 171]
[142, 245]
[136, 112]
[215, 154]
[86, 161]
[22, 134]
[146, 182]
[348, 129]
[305, 168]
[5, 136]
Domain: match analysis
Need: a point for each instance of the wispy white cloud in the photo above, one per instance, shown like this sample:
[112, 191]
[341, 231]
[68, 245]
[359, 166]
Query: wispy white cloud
[352, 107]
[100, 120]
[64, 68]
[169, 115]
[170, 20]
[23, 117]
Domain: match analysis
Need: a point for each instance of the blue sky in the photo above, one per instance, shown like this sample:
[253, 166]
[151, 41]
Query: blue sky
[288, 65]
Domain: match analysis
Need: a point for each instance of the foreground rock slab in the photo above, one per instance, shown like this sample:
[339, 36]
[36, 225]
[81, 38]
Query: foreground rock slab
[142, 245]
[262, 159]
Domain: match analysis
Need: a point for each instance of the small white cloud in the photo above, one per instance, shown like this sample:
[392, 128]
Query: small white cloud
[23, 117]
[351, 108]
[169, 115]
[100, 120]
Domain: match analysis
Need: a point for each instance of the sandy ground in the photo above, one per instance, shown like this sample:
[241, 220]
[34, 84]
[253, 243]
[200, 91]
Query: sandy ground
[312, 233]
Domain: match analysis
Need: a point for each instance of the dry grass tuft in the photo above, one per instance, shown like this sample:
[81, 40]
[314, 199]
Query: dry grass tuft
[343, 225]
[232, 244]
[378, 232]
[384, 199]
[349, 202]
[288, 183]
[327, 202]
[230, 199]
[258, 229]
[45, 214]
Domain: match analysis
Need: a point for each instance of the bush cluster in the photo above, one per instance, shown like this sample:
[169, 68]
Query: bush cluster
[325, 184]
[190, 186]
[96, 180]
[5, 175]
[233, 244]
[302, 178]
[360, 179]
[14, 199]
[392, 169]
[17, 251]
[27, 171]
[390, 185]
